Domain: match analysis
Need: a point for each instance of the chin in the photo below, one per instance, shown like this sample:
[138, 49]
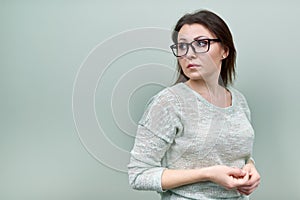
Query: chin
[191, 78]
[195, 77]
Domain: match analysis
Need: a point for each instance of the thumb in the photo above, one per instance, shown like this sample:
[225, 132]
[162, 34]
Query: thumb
[237, 172]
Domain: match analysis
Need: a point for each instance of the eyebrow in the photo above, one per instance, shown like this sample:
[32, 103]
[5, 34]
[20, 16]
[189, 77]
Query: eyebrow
[182, 39]
[199, 37]
[196, 38]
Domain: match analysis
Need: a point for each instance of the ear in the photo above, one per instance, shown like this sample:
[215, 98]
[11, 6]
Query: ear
[225, 53]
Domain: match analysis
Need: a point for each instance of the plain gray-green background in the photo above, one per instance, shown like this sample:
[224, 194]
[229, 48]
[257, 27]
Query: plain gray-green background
[43, 44]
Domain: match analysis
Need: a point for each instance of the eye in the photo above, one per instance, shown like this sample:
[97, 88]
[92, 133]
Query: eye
[182, 46]
[201, 43]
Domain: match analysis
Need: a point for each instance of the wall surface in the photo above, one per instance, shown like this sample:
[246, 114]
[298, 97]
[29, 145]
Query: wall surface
[75, 77]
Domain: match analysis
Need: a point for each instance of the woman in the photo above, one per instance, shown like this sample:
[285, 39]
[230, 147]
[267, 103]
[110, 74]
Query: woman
[195, 139]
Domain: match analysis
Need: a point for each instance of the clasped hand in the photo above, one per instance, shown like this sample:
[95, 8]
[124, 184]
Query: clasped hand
[244, 180]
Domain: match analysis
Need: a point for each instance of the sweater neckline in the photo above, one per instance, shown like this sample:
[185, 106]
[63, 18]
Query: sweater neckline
[202, 99]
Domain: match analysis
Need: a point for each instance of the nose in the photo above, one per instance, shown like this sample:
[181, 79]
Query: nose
[191, 52]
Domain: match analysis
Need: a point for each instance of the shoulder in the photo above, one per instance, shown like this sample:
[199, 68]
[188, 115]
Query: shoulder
[238, 95]
[164, 104]
[240, 101]
[162, 115]
[169, 96]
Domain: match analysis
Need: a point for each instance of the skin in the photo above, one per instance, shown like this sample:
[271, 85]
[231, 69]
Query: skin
[203, 78]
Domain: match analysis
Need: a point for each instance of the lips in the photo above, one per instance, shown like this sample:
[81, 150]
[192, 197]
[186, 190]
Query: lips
[193, 66]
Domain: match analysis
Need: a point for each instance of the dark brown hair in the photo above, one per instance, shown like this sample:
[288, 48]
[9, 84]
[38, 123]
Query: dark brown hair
[217, 26]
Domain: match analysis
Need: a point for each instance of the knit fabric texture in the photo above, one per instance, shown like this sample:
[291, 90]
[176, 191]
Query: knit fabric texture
[182, 130]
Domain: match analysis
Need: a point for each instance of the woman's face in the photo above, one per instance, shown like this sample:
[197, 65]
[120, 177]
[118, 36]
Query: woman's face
[205, 66]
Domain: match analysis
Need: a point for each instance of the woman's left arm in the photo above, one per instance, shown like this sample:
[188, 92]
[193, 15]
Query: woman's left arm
[254, 178]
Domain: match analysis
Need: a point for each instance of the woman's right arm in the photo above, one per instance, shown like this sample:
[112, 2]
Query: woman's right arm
[155, 134]
[228, 177]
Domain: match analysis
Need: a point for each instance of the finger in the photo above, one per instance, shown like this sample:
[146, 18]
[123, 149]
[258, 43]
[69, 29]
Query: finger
[242, 181]
[243, 192]
[253, 180]
[237, 172]
[247, 192]
[247, 188]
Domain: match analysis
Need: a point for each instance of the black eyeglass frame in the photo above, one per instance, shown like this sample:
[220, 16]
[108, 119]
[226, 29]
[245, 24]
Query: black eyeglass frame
[173, 46]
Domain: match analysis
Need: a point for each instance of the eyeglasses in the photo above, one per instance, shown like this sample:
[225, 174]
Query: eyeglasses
[198, 46]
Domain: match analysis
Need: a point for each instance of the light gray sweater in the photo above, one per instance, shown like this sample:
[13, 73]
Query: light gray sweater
[182, 130]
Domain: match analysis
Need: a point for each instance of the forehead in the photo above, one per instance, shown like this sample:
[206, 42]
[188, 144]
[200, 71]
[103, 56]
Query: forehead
[190, 31]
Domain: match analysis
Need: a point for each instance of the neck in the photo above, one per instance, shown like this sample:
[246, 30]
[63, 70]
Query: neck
[205, 87]
[212, 92]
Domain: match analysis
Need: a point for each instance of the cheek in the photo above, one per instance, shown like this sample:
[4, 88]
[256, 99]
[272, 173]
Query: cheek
[181, 62]
[216, 59]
